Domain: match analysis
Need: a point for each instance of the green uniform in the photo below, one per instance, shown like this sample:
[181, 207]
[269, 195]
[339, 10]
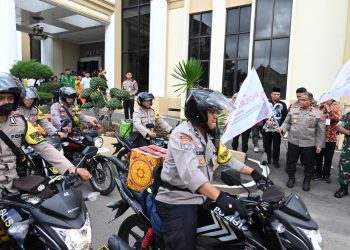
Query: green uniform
[344, 162]
[68, 81]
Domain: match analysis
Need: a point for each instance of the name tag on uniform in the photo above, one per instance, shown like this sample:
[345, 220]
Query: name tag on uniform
[328, 121]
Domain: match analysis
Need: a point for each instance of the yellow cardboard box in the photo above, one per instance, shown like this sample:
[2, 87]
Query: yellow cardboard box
[142, 162]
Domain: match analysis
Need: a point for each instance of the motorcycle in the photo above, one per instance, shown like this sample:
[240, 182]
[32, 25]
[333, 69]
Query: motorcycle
[275, 221]
[123, 146]
[100, 166]
[60, 222]
[31, 162]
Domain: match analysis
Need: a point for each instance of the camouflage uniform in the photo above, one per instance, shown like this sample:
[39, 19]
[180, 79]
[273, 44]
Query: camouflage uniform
[344, 162]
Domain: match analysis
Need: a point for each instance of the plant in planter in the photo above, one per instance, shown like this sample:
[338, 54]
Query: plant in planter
[31, 69]
[190, 73]
[47, 90]
[97, 99]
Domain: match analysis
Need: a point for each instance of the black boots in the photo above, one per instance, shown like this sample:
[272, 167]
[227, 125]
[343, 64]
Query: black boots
[291, 181]
[306, 184]
[343, 190]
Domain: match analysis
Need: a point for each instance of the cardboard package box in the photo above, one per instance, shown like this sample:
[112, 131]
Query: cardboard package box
[142, 162]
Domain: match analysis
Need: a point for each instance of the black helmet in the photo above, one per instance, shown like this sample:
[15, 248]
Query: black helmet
[67, 92]
[144, 96]
[10, 84]
[200, 101]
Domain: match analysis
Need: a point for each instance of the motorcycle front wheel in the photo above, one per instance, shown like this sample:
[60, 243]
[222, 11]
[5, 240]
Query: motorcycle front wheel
[133, 230]
[103, 174]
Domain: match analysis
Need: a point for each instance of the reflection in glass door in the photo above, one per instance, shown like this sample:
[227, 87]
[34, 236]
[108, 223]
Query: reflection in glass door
[236, 49]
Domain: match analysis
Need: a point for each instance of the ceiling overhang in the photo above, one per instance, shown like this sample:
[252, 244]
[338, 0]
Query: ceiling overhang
[100, 10]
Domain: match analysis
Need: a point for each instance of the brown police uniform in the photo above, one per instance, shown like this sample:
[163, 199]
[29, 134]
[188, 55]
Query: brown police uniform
[128, 105]
[188, 165]
[306, 131]
[141, 118]
[36, 117]
[21, 131]
[58, 113]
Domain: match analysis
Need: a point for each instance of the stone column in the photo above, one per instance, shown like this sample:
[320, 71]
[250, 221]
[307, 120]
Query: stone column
[8, 42]
[157, 47]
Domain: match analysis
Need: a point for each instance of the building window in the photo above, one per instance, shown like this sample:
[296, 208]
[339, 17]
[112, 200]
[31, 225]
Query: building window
[135, 40]
[199, 42]
[271, 43]
[236, 48]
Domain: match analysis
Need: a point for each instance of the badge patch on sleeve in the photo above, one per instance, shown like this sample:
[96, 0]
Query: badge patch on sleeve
[185, 142]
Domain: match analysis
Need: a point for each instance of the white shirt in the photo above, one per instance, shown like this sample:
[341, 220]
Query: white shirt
[86, 82]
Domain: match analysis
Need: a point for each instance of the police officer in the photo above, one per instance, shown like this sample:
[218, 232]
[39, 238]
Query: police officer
[305, 138]
[343, 127]
[298, 93]
[188, 170]
[143, 116]
[30, 111]
[131, 86]
[66, 109]
[20, 131]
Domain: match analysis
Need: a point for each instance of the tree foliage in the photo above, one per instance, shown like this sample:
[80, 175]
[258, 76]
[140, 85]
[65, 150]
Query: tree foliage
[31, 69]
[190, 73]
[97, 98]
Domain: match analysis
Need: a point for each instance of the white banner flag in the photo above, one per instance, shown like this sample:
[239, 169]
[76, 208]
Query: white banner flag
[251, 107]
[340, 86]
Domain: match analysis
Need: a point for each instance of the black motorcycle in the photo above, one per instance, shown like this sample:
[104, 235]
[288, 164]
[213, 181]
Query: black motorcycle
[123, 145]
[31, 163]
[275, 221]
[61, 222]
[102, 169]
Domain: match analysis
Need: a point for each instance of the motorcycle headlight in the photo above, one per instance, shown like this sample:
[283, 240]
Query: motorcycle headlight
[76, 239]
[98, 141]
[314, 236]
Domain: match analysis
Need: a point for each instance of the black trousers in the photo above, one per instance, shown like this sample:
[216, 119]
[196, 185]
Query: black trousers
[324, 167]
[137, 140]
[245, 139]
[128, 105]
[307, 157]
[179, 224]
[272, 139]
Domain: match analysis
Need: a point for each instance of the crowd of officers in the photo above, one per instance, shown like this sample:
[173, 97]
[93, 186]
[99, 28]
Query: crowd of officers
[312, 136]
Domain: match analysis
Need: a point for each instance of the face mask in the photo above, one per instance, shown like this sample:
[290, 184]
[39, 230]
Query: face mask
[6, 109]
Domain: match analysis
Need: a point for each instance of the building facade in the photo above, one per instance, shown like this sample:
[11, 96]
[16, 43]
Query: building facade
[291, 43]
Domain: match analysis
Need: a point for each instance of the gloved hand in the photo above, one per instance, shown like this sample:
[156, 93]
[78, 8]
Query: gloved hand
[230, 205]
[261, 181]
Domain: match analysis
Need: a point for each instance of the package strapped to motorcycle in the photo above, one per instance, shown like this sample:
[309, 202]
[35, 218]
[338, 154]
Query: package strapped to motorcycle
[142, 162]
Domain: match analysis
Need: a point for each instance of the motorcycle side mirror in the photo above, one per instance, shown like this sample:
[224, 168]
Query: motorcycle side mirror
[92, 196]
[263, 159]
[90, 151]
[230, 176]
[149, 125]
[65, 122]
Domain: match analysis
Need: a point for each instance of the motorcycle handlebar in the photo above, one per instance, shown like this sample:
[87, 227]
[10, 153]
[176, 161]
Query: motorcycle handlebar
[71, 181]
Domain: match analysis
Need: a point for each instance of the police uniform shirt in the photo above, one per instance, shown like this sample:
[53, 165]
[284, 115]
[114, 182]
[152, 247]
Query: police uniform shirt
[18, 129]
[58, 113]
[36, 117]
[188, 165]
[306, 127]
[143, 116]
[131, 87]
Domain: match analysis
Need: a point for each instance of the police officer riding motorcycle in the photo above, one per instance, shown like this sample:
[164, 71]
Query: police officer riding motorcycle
[188, 170]
[144, 120]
